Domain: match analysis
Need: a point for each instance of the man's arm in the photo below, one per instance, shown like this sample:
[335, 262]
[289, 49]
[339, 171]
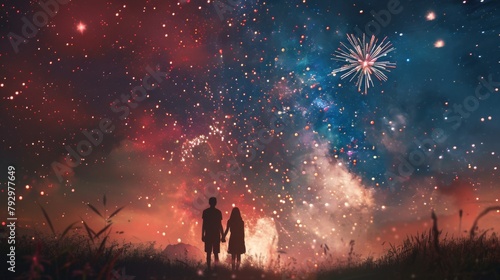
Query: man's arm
[225, 233]
[203, 230]
[220, 226]
[222, 232]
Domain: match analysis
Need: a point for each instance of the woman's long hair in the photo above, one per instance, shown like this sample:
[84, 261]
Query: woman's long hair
[235, 215]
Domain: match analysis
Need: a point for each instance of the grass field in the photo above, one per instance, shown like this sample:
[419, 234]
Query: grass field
[92, 256]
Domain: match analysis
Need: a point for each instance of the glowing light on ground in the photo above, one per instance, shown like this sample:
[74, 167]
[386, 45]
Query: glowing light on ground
[261, 241]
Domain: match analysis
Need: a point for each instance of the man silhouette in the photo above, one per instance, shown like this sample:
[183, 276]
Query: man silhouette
[211, 231]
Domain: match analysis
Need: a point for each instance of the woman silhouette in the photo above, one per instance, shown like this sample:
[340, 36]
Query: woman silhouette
[237, 239]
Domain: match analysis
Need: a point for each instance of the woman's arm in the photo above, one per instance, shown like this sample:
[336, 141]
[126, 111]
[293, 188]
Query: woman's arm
[227, 229]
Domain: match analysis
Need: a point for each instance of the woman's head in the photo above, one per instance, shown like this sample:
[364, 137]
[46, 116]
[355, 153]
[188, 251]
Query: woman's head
[235, 214]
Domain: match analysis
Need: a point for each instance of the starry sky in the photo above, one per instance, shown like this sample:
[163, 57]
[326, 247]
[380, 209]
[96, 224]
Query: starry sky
[171, 102]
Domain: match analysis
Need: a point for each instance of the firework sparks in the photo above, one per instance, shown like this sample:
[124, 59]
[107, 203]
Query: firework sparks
[362, 60]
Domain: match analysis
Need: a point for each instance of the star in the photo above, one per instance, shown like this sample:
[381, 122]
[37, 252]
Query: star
[439, 44]
[81, 27]
[431, 16]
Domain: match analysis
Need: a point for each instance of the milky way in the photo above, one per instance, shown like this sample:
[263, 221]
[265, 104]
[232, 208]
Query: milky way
[161, 105]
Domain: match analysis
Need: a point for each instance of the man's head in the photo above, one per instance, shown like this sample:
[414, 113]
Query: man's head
[212, 201]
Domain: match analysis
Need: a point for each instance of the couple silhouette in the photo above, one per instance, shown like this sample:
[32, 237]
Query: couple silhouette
[212, 234]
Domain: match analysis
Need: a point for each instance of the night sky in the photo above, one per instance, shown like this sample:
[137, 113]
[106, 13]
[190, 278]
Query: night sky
[170, 102]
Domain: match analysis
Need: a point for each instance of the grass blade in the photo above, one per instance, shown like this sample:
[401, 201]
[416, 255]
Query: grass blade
[102, 230]
[101, 247]
[90, 232]
[67, 229]
[485, 211]
[116, 212]
[48, 220]
[105, 272]
[95, 210]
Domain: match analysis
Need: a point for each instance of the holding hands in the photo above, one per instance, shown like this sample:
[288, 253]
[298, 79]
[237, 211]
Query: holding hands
[223, 238]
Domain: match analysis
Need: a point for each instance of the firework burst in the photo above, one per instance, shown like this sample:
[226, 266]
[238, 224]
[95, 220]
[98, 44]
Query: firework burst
[362, 60]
